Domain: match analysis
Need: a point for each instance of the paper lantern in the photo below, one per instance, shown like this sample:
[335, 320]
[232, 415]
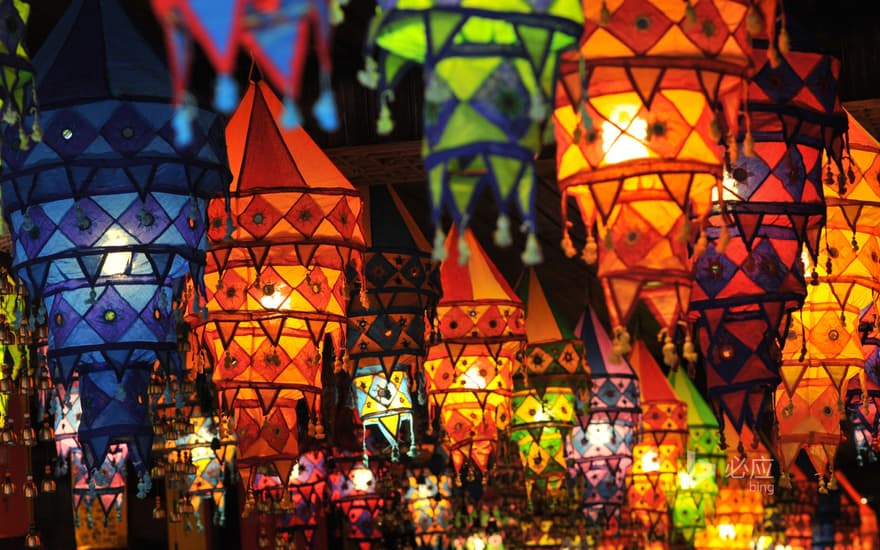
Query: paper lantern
[600, 448]
[469, 373]
[99, 507]
[303, 510]
[769, 207]
[276, 281]
[863, 392]
[428, 501]
[697, 483]
[483, 130]
[276, 36]
[16, 369]
[739, 504]
[107, 216]
[354, 491]
[797, 505]
[658, 455]
[17, 92]
[639, 114]
[554, 377]
[386, 339]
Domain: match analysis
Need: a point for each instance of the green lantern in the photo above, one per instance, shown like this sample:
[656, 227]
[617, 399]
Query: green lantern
[489, 70]
[698, 482]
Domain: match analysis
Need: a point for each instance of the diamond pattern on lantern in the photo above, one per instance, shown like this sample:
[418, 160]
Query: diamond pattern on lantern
[127, 123]
[147, 219]
[639, 22]
[259, 217]
[832, 334]
[86, 223]
[234, 362]
[538, 361]
[111, 315]
[270, 361]
[306, 215]
[314, 289]
[231, 291]
[491, 323]
[379, 270]
[455, 323]
[342, 218]
[275, 431]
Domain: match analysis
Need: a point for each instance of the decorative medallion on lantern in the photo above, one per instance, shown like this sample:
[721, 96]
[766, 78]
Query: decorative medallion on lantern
[600, 448]
[386, 339]
[276, 36]
[554, 376]
[481, 131]
[639, 113]
[276, 282]
[107, 216]
[469, 372]
[659, 454]
[99, 507]
[768, 209]
[17, 91]
[698, 480]
[428, 501]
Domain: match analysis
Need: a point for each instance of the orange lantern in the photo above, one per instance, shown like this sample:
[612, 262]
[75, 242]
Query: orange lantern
[658, 455]
[639, 113]
[276, 282]
[469, 373]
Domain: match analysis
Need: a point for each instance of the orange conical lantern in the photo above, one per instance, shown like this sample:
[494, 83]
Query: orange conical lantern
[640, 111]
[276, 283]
[659, 454]
[469, 372]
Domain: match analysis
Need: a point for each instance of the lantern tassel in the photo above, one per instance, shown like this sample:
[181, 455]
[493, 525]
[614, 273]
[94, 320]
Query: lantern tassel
[464, 251]
[369, 75]
[670, 354]
[621, 344]
[225, 93]
[290, 117]
[532, 254]
[385, 124]
[439, 252]
[502, 234]
[567, 245]
[182, 124]
[590, 253]
[538, 107]
[325, 109]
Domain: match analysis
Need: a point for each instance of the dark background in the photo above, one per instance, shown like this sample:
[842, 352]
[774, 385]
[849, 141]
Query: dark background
[845, 27]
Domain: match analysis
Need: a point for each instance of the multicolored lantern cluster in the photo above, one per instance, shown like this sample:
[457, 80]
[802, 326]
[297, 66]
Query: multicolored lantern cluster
[386, 338]
[276, 285]
[428, 500]
[107, 217]
[355, 493]
[639, 113]
[469, 372]
[555, 375]
[600, 448]
[275, 34]
[484, 130]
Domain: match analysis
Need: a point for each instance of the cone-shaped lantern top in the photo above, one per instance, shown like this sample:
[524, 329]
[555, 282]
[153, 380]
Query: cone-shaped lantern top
[699, 413]
[95, 52]
[543, 322]
[262, 155]
[653, 385]
[603, 364]
[477, 279]
[394, 227]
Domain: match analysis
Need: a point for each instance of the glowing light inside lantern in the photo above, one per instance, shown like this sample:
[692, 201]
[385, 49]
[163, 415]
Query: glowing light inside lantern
[362, 478]
[727, 531]
[686, 481]
[600, 434]
[624, 139]
[651, 461]
[474, 379]
[116, 263]
[273, 300]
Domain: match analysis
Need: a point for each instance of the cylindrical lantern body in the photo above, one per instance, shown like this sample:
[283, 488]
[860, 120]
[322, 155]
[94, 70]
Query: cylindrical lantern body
[355, 493]
[428, 501]
[276, 283]
[469, 373]
[386, 338]
[555, 375]
[108, 218]
[600, 448]
[489, 83]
